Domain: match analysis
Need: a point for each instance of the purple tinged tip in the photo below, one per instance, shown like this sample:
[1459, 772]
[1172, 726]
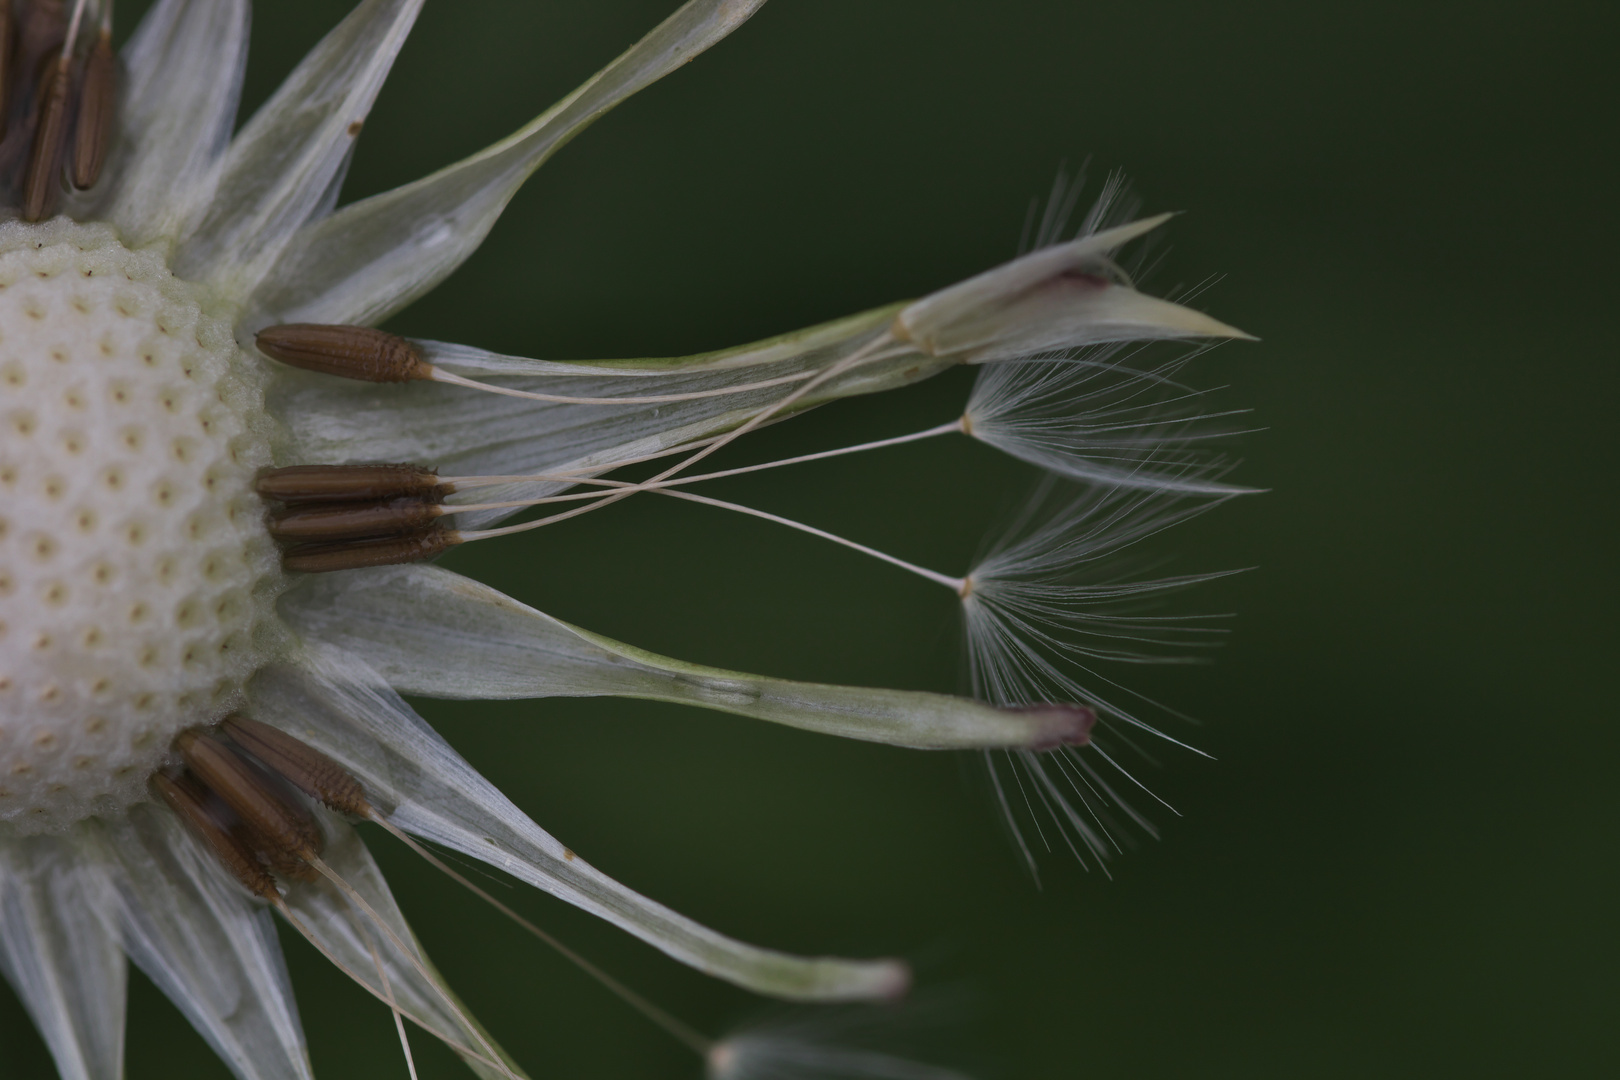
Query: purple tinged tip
[1065, 725]
[897, 983]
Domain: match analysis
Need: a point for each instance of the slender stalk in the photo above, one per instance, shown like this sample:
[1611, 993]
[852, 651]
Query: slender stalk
[956, 585]
[309, 935]
[442, 376]
[393, 1006]
[359, 901]
[868, 353]
[462, 508]
[682, 1031]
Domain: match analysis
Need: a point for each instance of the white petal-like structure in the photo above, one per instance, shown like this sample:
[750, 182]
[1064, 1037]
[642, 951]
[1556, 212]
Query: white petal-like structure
[286, 164]
[184, 78]
[429, 631]
[469, 433]
[333, 702]
[1059, 297]
[207, 945]
[374, 257]
[347, 932]
[60, 950]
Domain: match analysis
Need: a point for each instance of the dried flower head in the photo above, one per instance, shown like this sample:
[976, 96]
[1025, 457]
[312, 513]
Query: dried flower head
[225, 486]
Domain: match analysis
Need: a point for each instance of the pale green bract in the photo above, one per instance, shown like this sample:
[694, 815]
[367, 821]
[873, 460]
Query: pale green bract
[429, 631]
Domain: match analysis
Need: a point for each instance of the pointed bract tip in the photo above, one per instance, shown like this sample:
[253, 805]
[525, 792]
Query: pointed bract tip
[1066, 725]
[720, 1059]
[1049, 300]
[894, 982]
[1196, 324]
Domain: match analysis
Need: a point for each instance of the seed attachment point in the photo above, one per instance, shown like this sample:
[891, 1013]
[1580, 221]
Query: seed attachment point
[1062, 724]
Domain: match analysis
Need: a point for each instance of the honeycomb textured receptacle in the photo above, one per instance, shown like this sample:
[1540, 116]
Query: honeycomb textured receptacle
[136, 576]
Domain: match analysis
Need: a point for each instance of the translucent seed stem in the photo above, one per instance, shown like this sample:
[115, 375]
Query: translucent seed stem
[359, 901]
[443, 376]
[73, 27]
[309, 935]
[393, 1006]
[682, 1031]
[868, 353]
[956, 585]
[457, 483]
[463, 482]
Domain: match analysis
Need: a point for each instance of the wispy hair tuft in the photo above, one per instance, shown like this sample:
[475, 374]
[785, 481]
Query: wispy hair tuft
[1060, 592]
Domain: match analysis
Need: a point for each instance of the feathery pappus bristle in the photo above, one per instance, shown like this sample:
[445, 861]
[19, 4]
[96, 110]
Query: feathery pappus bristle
[1115, 204]
[1049, 601]
[1107, 415]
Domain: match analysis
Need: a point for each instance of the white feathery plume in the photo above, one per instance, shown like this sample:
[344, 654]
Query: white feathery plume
[1105, 413]
[1097, 417]
[1053, 596]
[1058, 294]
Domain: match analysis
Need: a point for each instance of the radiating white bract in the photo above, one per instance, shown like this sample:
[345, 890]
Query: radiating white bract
[1058, 297]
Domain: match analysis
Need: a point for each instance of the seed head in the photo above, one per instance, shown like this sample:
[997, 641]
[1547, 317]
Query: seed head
[135, 571]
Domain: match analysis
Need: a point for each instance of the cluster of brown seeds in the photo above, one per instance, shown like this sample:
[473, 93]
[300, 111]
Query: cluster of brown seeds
[341, 517]
[236, 795]
[58, 87]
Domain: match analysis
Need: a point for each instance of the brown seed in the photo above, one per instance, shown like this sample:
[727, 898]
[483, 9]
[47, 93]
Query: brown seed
[41, 180]
[8, 32]
[325, 558]
[289, 864]
[356, 521]
[96, 104]
[189, 799]
[345, 483]
[40, 20]
[287, 830]
[354, 352]
[306, 768]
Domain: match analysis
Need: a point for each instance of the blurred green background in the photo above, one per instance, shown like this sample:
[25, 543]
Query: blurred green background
[1401, 862]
